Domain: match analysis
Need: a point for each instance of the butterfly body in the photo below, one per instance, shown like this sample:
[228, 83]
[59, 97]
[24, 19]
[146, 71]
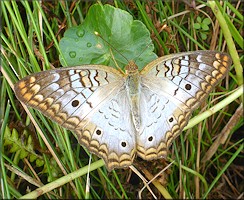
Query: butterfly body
[133, 86]
[119, 115]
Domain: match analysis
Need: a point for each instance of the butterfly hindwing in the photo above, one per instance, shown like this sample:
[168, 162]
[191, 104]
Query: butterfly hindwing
[110, 133]
[161, 120]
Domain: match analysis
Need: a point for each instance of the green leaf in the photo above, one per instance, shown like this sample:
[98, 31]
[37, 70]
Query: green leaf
[197, 26]
[203, 36]
[39, 162]
[29, 144]
[14, 148]
[7, 135]
[205, 27]
[199, 19]
[33, 157]
[206, 21]
[23, 153]
[129, 37]
[15, 135]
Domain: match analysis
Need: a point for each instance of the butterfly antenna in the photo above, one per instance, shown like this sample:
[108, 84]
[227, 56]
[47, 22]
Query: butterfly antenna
[142, 51]
[117, 66]
[97, 34]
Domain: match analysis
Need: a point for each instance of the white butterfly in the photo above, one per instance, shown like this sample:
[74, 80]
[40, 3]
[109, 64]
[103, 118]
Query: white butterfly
[119, 115]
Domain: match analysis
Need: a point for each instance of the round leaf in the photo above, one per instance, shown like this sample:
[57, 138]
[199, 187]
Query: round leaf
[205, 27]
[199, 19]
[39, 162]
[125, 36]
[33, 157]
[197, 26]
[23, 153]
[203, 36]
[206, 21]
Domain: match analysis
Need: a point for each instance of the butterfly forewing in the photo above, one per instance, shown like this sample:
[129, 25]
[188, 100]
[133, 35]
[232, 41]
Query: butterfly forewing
[68, 95]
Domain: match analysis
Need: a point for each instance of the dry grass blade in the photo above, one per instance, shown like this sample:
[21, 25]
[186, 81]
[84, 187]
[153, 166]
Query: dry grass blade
[224, 133]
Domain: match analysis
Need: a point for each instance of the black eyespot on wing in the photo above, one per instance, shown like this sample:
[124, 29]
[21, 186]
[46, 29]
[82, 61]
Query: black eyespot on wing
[188, 86]
[171, 119]
[150, 138]
[98, 132]
[75, 103]
[123, 144]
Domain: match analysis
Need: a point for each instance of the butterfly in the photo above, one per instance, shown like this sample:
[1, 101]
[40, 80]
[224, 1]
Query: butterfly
[119, 115]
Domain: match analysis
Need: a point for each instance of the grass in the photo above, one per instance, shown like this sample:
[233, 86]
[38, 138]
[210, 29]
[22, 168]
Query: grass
[207, 157]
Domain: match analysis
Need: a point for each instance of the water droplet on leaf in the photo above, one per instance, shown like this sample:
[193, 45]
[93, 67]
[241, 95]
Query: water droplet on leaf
[72, 54]
[88, 44]
[80, 33]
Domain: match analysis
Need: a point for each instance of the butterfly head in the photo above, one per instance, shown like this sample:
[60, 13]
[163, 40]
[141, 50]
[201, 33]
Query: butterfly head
[131, 68]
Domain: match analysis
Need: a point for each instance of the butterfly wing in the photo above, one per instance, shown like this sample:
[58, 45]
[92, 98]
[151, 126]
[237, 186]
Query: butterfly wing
[172, 87]
[85, 99]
